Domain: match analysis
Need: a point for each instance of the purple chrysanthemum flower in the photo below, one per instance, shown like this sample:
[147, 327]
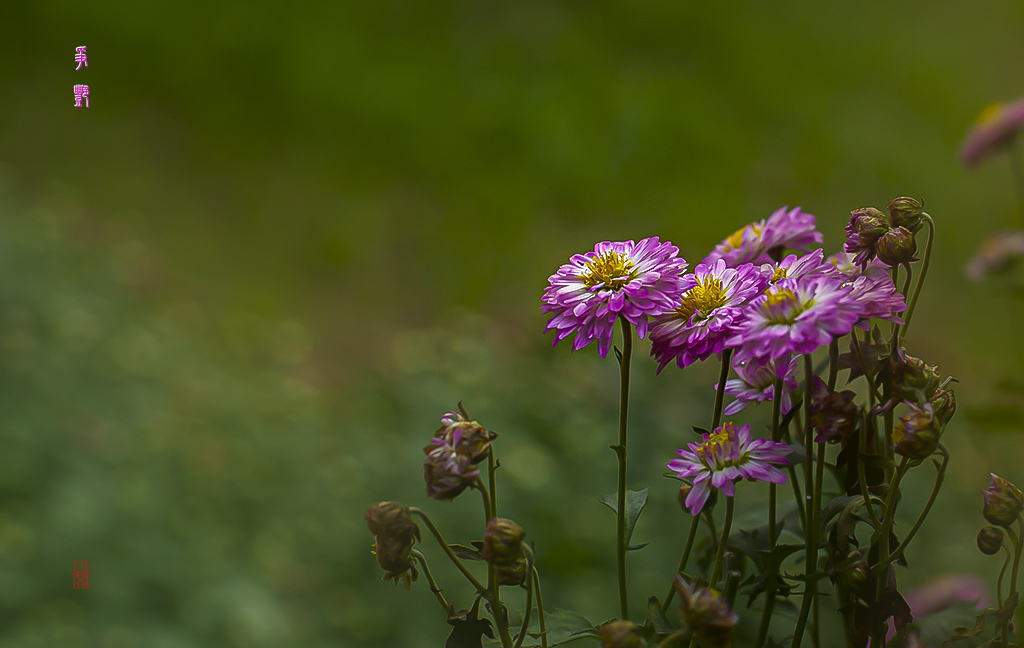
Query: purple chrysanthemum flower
[723, 458]
[794, 267]
[995, 127]
[795, 316]
[756, 384]
[764, 241]
[627, 279]
[713, 298]
[871, 285]
[845, 265]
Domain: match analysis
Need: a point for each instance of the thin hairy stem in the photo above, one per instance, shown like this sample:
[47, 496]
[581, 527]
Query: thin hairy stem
[723, 376]
[433, 583]
[620, 526]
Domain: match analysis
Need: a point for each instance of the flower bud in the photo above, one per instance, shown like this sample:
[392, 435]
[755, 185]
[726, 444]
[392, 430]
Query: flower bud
[513, 573]
[916, 435]
[447, 473]
[618, 633]
[707, 613]
[866, 226]
[503, 541]
[944, 404]
[856, 574]
[906, 212]
[684, 490]
[990, 540]
[394, 534]
[912, 378]
[897, 246]
[1003, 502]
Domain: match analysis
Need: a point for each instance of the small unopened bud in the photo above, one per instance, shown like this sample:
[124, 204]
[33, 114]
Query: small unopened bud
[856, 574]
[503, 541]
[394, 534]
[916, 435]
[684, 490]
[990, 540]
[618, 633]
[906, 212]
[944, 404]
[912, 378]
[1003, 502]
[707, 613]
[513, 573]
[866, 226]
[897, 246]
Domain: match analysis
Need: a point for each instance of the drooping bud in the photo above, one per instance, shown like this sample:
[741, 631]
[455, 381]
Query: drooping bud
[503, 541]
[906, 212]
[944, 404]
[990, 540]
[618, 633]
[707, 613]
[912, 378]
[834, 415]
[1003, 502]
[448, 472]
[897, 246]
[916, 435]
[866, 226]
[394, 534]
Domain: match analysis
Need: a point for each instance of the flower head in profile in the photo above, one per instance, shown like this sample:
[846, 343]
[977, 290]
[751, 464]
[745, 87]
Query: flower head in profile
[755, 383]
[994, 128]
[458, 446]
[766, 240]
[794, 266]
[795, 317]
[626, 279]
[712, 300]
[845, 266]
[996, 254]
[707, 613]
[724, 457]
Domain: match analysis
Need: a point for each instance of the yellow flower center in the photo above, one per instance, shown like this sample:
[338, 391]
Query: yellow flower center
[990, 115]
[780, 273]
[711, 451]
[611, 269]
[784, 306]
[702, 298]
[735, 240]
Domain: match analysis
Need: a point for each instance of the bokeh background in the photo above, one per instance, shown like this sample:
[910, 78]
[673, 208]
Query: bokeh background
[238, 291]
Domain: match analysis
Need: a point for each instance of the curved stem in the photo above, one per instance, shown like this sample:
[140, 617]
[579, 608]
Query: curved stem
[488, 511]
[529, 597]
[939, 476]
[540, 610]
[1018, 546]
[906, 287]
[924, 271]
[433, 583]
[716, 571]
[620, 526]
[690, 537]
[448, 550]
[723, 376]
[999, 581]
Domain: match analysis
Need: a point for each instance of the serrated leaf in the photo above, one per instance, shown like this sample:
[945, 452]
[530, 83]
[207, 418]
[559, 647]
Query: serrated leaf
[635, 503]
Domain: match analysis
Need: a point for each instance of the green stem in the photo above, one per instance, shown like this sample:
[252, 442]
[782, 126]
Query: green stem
[430, 581]
[906, 287]
[819, 479]
[488, 511]
[862, 449]
[894, 274]
[690, 537]
[810, 533]
[860, 358]
[723, 376]
[924, 272]
[529, 597]
[540, 610]
[620, 451]
[448, 550]
[883, 541]
[716, 571]
[1018, 546]
[490, 481]
[833, 362]
[771, 586]
[999, 580]
[939, 476]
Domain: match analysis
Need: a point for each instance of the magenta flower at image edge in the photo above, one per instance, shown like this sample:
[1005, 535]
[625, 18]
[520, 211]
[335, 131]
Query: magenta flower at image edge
[996, 126]
[712, 300]
[724, 457]
[627, 279]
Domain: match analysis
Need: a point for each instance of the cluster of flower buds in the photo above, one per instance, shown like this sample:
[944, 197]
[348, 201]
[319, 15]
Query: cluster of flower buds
[503, 548]
[394, 534]
[707, 613]
[918, 385]
[870, 233]
[453, 455]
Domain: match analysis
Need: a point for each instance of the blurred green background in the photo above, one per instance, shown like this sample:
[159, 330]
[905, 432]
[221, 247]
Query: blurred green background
[240, 289]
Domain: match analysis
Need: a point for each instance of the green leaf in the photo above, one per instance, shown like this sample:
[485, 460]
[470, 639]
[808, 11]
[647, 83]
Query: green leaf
[466, 553]
[936, 628]
[662, 626]
[564, 626]
[701, 431]
[635, 503]
[637, 547]
[837, 504]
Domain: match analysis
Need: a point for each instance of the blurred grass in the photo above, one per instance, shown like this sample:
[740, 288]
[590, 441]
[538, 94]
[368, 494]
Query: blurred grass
[241, 288]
